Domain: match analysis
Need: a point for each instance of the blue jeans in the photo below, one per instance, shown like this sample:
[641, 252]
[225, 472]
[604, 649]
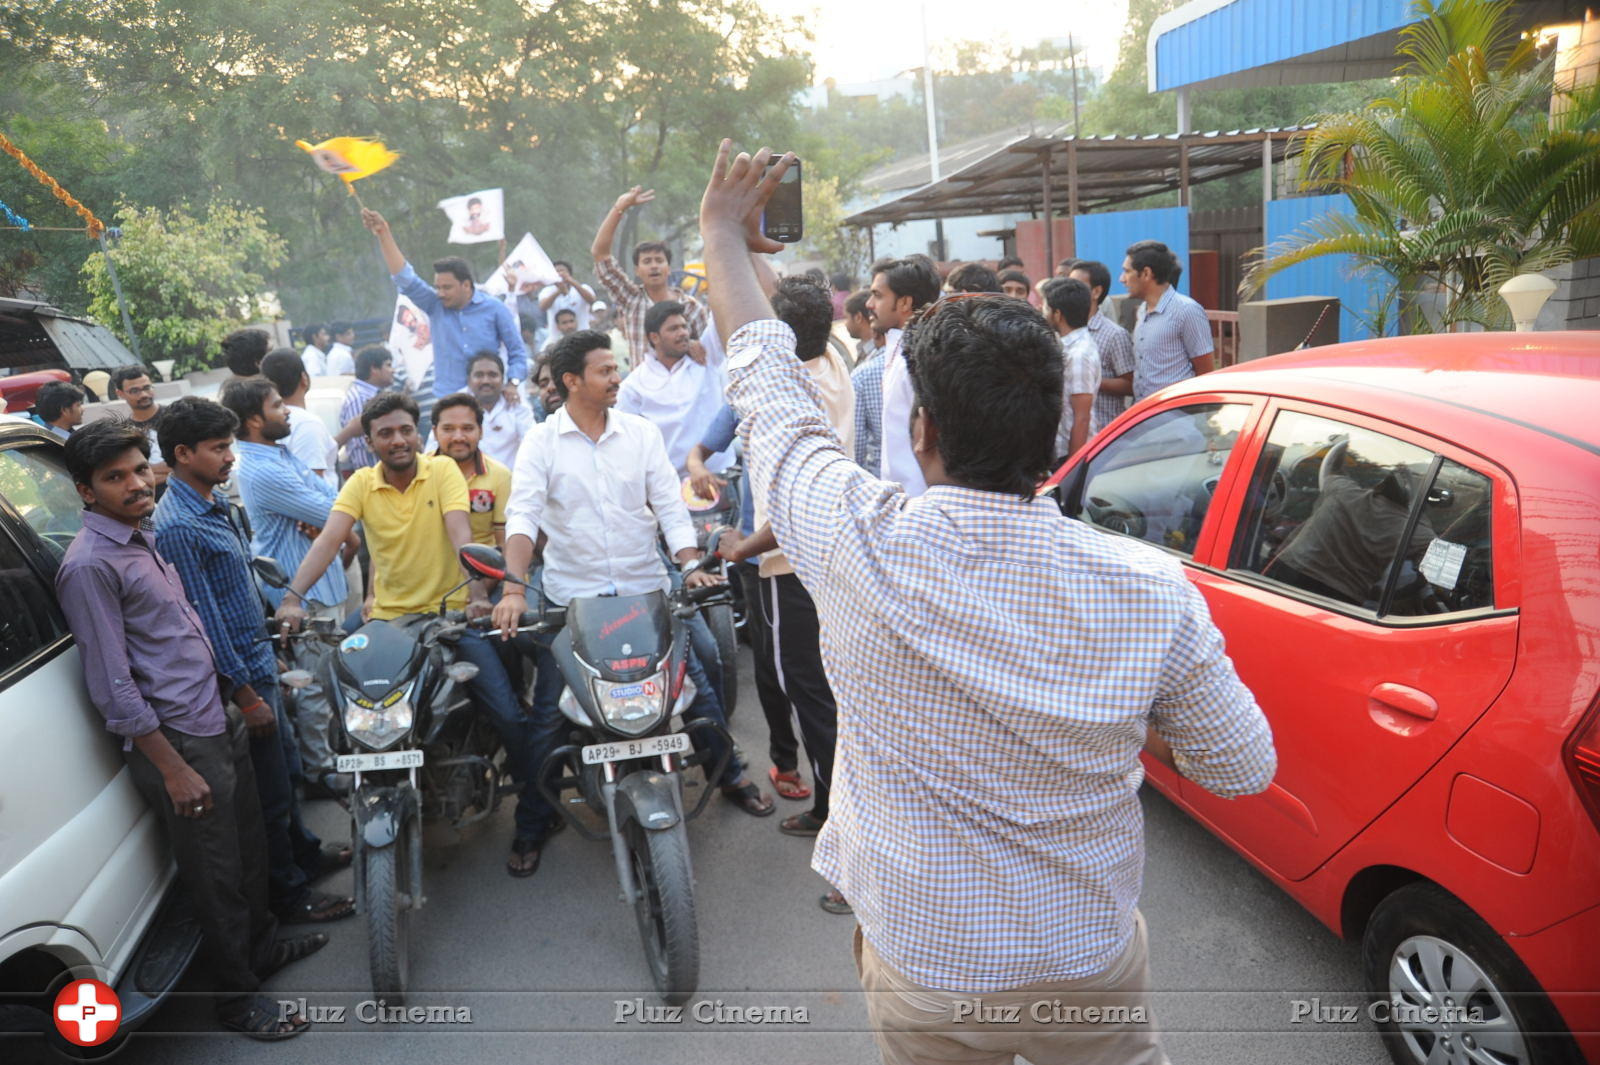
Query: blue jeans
[294, 853]
[492, 691]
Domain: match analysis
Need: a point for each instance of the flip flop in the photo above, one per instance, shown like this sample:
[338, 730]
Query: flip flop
[789, 785]
[520, 849]
[317, 907]
[806, 824]
[335, 856]
[259, 1020]
[834, 902]
[749, 799]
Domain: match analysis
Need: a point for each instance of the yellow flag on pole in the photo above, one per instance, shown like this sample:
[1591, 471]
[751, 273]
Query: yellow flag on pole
[351, 158]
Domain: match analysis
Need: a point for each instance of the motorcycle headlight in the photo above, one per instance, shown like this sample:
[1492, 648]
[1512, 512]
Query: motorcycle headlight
[633, 707]
[378, 725]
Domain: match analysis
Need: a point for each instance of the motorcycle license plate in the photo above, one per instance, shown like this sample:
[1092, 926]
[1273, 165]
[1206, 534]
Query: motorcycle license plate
[650, 747]
[369, 763]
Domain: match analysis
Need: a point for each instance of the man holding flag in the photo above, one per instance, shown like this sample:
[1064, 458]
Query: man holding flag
[464, 321]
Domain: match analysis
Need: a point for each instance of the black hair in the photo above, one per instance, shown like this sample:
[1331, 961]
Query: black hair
[571, 355]
[456, 399]
[1015, 275]
[123, 374]
[541, 362]
[285, 370]
[335, 328]
[54, 397]
[475, 200]
[1099, 275]
[385, 403]
[841, 281]
[651, 245]
[1010, 262]
[247, 397]
[857, 303]
[657, 315]
[486, 355]
[912, 276]
[370, 358]
[243, 349]
[455, 265]
[1070, 298]
[970, 277]
[188, 420]
[567, 310]
[97, 443]
[307, 331]
[563, 262]
[987, 370]
[806, 307]
[1154, 256]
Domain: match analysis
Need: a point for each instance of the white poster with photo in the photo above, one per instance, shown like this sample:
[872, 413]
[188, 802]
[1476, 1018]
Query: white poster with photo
[411, 339]
[527, 269]
[477, 217]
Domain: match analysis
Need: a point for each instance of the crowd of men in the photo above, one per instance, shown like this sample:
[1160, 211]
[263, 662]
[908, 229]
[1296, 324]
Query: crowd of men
[576, 471]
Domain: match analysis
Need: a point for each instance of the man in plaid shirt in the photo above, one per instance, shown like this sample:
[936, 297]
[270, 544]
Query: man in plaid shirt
[652, 283]
[998, 668]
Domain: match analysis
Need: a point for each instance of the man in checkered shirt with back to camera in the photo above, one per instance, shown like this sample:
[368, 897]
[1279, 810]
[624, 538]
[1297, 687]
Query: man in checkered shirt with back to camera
[998, 668]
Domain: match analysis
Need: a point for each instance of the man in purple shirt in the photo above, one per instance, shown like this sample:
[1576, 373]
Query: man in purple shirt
[150, 671]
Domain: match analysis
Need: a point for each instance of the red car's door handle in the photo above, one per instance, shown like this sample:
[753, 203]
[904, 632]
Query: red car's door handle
[1399, 708]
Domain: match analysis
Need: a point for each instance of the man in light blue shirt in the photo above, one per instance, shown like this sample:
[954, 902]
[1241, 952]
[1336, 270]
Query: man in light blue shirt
[464, 320]
[288, 504]
[1172, 340]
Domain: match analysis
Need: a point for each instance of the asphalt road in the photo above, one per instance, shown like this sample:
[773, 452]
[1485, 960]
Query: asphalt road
[551, 968]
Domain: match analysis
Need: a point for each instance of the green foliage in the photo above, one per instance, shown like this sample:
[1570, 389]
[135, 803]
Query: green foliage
[1460, 178]
[188, 280]
[562, 104]
[843, 248]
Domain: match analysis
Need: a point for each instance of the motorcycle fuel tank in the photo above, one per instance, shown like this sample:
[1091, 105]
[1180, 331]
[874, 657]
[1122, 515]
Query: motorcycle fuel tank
[378, 658]
[622, 636]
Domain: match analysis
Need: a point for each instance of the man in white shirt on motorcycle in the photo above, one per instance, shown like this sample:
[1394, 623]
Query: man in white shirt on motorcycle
[597, 482]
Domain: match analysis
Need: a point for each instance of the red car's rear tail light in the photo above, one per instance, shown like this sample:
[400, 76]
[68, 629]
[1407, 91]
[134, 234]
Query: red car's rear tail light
[1583, 760]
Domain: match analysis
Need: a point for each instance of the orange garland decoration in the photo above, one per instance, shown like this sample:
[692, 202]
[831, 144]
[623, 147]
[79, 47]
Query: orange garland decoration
[95, 226]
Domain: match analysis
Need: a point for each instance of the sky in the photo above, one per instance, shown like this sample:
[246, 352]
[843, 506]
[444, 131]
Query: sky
[865, 41]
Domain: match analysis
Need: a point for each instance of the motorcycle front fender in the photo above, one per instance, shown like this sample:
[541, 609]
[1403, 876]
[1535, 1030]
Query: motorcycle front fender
[649, 798]
[380, 813]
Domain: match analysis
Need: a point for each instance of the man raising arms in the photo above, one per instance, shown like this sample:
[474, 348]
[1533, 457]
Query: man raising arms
[652, 264]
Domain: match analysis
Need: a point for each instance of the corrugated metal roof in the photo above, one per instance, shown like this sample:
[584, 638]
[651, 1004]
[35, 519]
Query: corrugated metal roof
[1111, 170]
[38, 336]
[1254, 43]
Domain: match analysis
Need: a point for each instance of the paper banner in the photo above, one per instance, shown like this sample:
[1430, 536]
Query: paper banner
[526, 270]
[411, 339]
[476, 218]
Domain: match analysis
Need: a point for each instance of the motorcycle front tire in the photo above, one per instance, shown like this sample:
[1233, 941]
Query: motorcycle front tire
[387, 901]
[720, 621]
[665, 909]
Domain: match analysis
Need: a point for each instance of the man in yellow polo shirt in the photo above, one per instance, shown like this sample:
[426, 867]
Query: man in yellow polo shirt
[458, 431]
[415, 509]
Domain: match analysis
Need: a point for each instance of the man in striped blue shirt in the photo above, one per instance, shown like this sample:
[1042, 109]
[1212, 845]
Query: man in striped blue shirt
[998, 668]
[1172, 337]
[195, 532]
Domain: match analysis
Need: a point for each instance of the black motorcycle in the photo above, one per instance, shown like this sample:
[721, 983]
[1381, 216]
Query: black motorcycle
[409, 736]
[726, 620]
[624, 660]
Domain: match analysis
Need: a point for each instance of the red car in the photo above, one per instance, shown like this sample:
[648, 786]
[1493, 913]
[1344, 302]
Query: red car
[1400, 540]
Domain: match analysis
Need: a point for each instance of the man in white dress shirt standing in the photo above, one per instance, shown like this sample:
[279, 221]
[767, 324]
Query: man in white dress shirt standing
[567, 294]
[900, 288]
[596, 481]
[314, 355]
[672, 391]
[341, 358]
[504, 424]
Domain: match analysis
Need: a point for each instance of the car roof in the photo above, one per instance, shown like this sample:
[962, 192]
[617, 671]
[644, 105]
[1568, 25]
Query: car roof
[1549, 382]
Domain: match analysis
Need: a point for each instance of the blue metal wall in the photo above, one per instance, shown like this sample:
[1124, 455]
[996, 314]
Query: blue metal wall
[1250, 33]
[1331, 275]
[1106, 237]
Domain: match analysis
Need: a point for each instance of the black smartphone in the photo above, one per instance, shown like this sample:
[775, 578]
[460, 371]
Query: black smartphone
[782, 220]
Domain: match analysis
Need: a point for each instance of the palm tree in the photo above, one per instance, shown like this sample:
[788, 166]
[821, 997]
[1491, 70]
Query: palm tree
[1462, 178]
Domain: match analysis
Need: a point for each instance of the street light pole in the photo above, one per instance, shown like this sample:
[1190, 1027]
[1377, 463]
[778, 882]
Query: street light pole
[933, 129]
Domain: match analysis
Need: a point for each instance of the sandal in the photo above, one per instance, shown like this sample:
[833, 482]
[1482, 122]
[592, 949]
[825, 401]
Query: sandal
[806, 824]
[258, 1019]
[789, 785]
[335, 856]
[749, 799]
[834, 902]
[286, 952]
[519, 864]
[317, 907]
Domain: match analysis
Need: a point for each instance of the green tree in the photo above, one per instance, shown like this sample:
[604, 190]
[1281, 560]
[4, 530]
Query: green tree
[1462, 178]
[188, 279]
[843, 248]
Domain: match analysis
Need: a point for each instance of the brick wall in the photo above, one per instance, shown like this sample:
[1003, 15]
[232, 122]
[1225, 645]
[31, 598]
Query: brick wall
[1575, 304]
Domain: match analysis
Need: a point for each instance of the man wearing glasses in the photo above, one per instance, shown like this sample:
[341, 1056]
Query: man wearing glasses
[133, 386]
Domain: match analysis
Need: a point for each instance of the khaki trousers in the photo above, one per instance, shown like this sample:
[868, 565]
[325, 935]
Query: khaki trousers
[1102, 1019]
